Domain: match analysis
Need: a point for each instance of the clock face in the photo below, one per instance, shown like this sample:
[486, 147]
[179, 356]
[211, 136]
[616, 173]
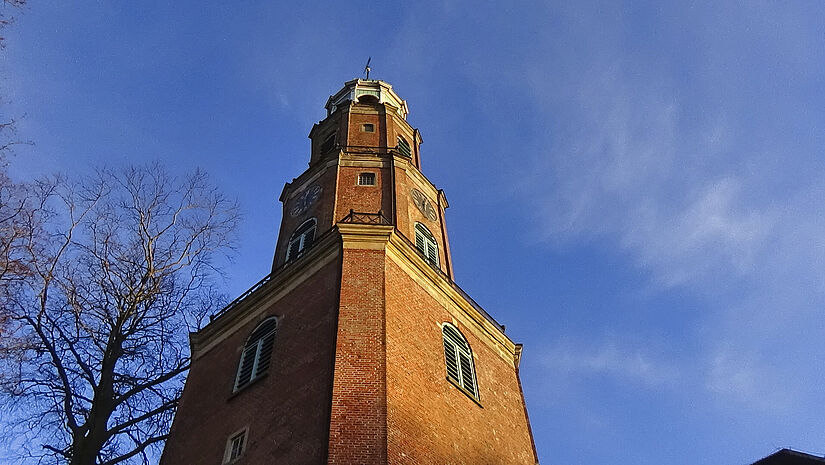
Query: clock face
[423, 203]
[305, 199]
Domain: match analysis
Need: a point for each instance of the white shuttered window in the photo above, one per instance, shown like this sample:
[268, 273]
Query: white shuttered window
[301, 239]
[404, 147]
[425, 243]
[257, 353]
[459, 360]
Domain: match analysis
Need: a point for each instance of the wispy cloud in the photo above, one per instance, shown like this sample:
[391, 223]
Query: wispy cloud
[610, 360]
[631, 170]
[705, 180]
[739, 380]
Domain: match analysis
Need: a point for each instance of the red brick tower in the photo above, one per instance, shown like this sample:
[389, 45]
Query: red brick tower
[358, 348]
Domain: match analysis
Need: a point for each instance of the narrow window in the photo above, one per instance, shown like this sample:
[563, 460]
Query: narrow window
[301, 239]
[235, 447]
[404, 147]
[257, 353]
[366, 179]
[369, 127]
[459, 360]
[328, 144]
[425, 243]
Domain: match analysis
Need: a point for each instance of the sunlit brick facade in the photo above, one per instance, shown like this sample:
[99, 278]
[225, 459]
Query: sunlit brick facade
[378, 357]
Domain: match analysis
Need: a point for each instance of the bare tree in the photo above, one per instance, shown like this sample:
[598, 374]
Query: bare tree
[14, 208]
[8, 126]
[13, 202]
[109, 274]
[6, 19]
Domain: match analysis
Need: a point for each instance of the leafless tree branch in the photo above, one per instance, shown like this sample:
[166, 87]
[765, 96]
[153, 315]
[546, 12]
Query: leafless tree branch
[101, 282]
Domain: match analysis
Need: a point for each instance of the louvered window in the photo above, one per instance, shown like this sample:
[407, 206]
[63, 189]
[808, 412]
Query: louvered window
[404, 147]
[301, 239]
[425, 243]
[459, 360]
[328, 144]
[257, 353]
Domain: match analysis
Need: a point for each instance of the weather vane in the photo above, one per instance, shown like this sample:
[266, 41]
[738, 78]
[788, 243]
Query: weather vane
[367, 68]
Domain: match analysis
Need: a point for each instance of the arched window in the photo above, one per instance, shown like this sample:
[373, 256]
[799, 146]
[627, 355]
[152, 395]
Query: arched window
[257, 353]
[459, 360]
[301, 239]
[425, 243]
[367, 99]
[404, 147]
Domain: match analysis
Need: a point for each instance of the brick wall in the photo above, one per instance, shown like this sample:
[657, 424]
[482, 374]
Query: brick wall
[321, 210]
[409, 214]
[367, 199]
[367, 114]
[358, 374]
[287, 411]
[431, 421]
[386, 402]
[358, 420]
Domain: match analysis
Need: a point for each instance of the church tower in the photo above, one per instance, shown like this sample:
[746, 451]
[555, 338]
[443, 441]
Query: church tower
[358, 348]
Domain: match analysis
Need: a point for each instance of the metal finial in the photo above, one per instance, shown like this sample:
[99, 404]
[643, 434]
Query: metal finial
[367, 68]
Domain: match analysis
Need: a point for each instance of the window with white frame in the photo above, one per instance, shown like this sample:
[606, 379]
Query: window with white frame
[235, 447]
[257, 353]
[366, 179]
[459, 360]
[301, 239]
[426, 244]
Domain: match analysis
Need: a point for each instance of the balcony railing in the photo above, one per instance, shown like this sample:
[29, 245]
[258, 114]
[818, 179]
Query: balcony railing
[269, 277]
[360, 218]
[355, 217]
[367, 150]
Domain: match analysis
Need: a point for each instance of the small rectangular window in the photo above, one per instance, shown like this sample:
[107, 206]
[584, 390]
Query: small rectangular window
[366, 179]
[369, 127]
[235, 447]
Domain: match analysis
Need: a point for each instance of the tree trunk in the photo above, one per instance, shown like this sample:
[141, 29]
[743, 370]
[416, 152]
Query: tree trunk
[86, 448]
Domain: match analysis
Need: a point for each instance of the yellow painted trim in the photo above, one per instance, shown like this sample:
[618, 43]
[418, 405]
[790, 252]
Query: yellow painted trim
[319, 171]
[459, 308]
[364, 236]
[350, 160]
[251, 307]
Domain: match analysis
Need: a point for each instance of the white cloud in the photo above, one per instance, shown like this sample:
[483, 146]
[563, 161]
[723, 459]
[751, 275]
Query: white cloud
[714, 233]
[611, 360]
[625, 171]
[740, 380]
[709, 183]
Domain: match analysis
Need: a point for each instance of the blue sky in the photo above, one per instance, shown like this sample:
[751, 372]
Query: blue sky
[636, 188]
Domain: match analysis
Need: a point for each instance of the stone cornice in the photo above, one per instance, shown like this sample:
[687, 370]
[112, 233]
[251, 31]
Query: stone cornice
[311, 174]
[439, 287]
[280, 284]
[363, 237]
[398, 249]
[419, 177]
